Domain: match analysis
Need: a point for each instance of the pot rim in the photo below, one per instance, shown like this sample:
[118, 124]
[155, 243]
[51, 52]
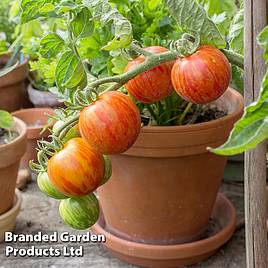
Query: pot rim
[200, 126]
[31, 88]
[41, 109]
[25, 62]
[15, 208]
[21, 134]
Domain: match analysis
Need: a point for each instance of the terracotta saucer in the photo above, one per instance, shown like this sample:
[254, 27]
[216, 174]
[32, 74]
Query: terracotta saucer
[220, 230]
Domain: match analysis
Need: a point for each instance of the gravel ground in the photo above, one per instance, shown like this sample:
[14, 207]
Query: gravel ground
[41, 214]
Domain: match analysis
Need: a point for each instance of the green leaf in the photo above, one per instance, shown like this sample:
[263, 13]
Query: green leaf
[121, 27]
[237, 78]
[236, 34]
[6, 120]
[251, 129]
[70, 72]
[65, 6]
[83, 24]
[119, 63]
[33, 9]
[263, 42]
[51, 45]
[216, 9]
[263, 37]
[46, 8]
[192, 17]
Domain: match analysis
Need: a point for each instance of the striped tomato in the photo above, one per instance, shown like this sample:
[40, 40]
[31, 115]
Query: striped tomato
[152, 85]
[203, 76]
[111, 124]
[76, 170]
[80, 212]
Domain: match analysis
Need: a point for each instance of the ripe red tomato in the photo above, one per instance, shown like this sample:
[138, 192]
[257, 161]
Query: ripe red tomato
[111, 124]
[203, 76]
[76, 170]
[152, 85]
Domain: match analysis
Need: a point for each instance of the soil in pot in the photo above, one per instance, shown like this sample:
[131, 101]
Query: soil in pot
[35, 119]
[13, 93]
[163, 189]
[204, 114]
[7, 136]
[10, 155]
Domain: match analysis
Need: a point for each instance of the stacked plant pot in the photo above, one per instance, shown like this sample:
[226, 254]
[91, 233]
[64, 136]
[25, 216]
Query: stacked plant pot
[13, 93]
[42, 99]
[10, 155]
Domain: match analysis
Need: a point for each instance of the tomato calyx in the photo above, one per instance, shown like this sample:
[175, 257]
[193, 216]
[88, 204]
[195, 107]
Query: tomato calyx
[187, 45]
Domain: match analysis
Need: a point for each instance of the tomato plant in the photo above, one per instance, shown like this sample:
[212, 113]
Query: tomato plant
[111, 124]
[203, 76]
[154, 84]
[95, 42]
[76, 170]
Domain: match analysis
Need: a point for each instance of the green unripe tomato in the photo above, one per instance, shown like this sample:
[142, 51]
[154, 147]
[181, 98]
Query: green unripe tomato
[80, 212]
[108, 169]
[47, 187]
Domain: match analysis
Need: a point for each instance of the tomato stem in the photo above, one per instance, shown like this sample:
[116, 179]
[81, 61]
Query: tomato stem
[140, 50]
[185, 112]
[151, 111]
[70, 122]
[150, 62]
[234, 58]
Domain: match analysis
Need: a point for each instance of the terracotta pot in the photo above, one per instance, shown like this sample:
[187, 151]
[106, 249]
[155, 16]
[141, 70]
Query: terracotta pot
[31, 117]
[163, 189]
[8, 219]
[13, 94]
[10, 155]
[43, 98]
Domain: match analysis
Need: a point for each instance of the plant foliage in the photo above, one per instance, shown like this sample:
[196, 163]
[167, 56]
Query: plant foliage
[192, 17]
[6, 120]
[252, 129]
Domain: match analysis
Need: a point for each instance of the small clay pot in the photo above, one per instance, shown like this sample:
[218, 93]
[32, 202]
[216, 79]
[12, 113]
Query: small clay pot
[31, 117]
[10, 155]
[41, 98]
[8, 219]
[163, 189]
[13, 93]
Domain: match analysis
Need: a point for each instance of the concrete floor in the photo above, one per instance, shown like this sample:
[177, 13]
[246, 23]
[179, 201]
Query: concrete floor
[40, 213]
